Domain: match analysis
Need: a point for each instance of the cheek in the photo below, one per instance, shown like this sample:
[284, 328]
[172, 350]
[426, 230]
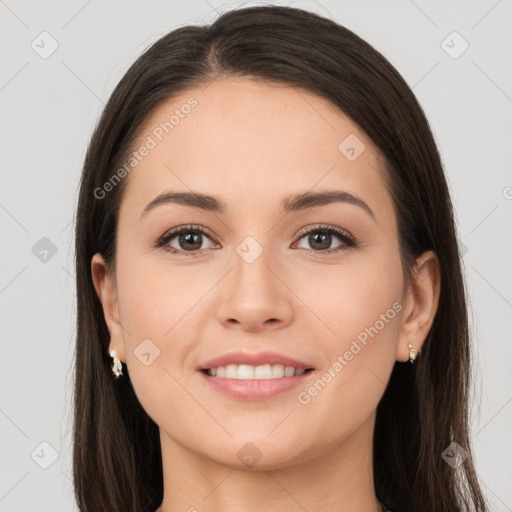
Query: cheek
[155, 295]
[359, 300]
[369, 312]
[360, 310]
[163, 316]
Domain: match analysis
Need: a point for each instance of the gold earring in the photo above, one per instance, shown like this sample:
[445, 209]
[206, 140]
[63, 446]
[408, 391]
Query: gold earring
[412, 353]
[117, 367]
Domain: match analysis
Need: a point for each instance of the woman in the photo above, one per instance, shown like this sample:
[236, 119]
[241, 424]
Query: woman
[271, 309]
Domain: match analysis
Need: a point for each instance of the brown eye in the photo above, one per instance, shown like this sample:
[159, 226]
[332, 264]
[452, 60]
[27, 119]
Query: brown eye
[187, 239]
[320, 239]
[190, 241]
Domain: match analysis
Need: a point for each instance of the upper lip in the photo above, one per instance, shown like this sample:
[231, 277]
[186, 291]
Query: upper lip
[258, 359]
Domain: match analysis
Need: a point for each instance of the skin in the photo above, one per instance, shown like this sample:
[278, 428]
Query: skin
[252, 144]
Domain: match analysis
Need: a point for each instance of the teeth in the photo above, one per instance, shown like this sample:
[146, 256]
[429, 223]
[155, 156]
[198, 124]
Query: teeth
[249, 372]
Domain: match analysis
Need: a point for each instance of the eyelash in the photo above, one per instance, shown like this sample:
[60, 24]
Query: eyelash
[348, 240]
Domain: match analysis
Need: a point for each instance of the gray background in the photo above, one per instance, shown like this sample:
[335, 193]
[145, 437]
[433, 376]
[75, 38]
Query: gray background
[49, 108]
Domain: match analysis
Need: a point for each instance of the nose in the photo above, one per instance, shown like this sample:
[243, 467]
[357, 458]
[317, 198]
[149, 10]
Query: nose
[255, 295]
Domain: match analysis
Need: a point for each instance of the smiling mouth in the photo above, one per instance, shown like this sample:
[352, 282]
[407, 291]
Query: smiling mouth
[250, 372]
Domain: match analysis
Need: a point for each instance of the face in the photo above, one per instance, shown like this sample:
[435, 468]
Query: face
[265, 274]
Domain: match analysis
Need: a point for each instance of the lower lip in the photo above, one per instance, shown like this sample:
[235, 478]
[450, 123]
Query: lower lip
[255, 389]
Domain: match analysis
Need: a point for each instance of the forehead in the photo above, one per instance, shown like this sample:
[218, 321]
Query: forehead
[248, 141]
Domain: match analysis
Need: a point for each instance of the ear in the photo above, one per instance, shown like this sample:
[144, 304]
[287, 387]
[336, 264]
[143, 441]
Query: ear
[107, 293]
[421, 301]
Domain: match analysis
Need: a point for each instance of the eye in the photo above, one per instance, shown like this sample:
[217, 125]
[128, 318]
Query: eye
[189, 239]
[320, 238]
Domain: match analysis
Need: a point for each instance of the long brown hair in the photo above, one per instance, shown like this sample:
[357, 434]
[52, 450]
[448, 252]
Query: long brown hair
[116, 453]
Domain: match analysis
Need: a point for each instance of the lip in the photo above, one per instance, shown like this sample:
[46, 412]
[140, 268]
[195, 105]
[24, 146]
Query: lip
[241, 357]
[255, 389]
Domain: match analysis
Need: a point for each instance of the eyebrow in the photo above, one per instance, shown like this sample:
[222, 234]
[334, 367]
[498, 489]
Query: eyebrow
[293, 203]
